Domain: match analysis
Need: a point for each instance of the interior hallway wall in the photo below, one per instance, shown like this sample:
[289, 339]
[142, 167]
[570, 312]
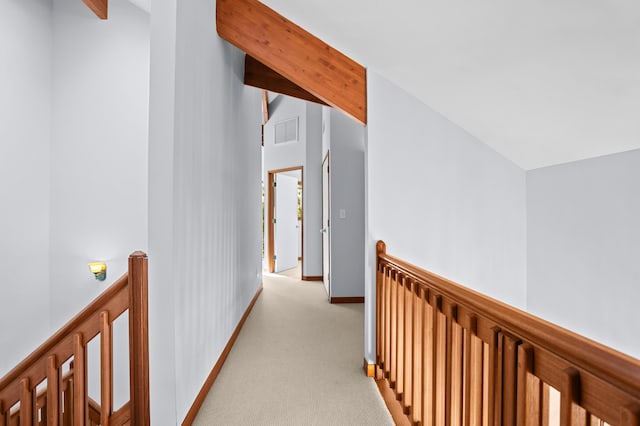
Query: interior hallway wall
[305, 152]
[25, 123]
[583, 245]
[344, 138]
[204, 201]
[98, 148]
[440, 199]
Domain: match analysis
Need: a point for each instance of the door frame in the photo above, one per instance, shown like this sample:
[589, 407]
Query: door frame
[271, 214]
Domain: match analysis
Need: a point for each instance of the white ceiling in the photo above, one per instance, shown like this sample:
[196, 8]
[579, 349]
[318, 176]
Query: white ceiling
[143, 4]
[542, 82]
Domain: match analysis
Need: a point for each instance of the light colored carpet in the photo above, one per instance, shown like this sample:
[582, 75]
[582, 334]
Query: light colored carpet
[297, 361]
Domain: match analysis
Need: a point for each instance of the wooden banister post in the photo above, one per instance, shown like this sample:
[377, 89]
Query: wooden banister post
[139, 339]
[381, 248]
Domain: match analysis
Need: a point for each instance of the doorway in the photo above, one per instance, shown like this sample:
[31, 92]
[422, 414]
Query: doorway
[284, 220]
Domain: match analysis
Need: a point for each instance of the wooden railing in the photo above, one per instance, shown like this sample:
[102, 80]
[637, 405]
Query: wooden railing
[39, 391]
[455, 357]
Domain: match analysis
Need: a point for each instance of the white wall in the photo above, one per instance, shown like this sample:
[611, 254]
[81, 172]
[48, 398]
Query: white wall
[304, 153]
[583, 246]
[346, 145]
[25, 119]
[98, 148]
[440, 199]
[312, 193]
[204, 201]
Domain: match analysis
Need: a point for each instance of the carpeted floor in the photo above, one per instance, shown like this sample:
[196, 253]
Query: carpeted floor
[297, 361]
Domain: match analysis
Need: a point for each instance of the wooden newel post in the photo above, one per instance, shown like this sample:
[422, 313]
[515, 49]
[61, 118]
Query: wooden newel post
[381, 248]
[139, 339]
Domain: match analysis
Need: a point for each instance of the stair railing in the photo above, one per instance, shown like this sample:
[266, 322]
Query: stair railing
[452, 356]
[38, 392]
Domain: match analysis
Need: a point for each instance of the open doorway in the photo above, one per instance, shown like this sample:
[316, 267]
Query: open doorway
[285, 222]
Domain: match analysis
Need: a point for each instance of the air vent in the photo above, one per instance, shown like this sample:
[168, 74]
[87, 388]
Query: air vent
[287, 131]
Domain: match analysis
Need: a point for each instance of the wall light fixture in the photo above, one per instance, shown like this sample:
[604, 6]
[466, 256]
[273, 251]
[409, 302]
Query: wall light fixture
[99, 270]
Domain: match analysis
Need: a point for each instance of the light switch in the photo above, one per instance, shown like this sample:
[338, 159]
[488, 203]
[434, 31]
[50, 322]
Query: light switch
[342, 213]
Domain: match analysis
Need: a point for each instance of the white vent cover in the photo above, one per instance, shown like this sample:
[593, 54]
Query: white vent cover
[287, 131]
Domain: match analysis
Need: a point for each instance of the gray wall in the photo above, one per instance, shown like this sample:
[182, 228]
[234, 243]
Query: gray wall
[99, 138]
[312, 196]
[75, 146]
[204, 201]
[583, 244]
[440, 199]
[25, 120]
[305, 153]
[345, 142]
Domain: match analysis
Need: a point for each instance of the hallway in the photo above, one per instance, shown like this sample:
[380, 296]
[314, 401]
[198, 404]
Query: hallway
[297, 360]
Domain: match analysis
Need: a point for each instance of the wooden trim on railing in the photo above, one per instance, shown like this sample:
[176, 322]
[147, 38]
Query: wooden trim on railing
[620, 369]
[295, 54]
[114, 299]
[476, 360]
[64, 399]
[206, 387]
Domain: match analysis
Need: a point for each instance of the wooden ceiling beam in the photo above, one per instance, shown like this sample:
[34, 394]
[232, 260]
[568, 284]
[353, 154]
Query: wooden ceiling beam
[295, 54]
[261, 76]
[99, 7]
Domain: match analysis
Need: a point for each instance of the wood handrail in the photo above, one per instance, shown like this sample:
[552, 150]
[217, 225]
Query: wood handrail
[607, 363]
[59, 339]
[129, 292]
[450, 355]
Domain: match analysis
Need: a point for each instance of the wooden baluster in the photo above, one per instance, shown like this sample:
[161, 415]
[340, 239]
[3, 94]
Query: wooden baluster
[394, 331]
[431, 358]
[106, 369]
[400, 338]
[476, 381]
[387, 323]
[139, 339]
[546, 402]
[442, 366]
[630, 415]
[455, 406]
[472, 379]
[379, 278]
[495, 378]
[450, 316]
[67, 397]
[569, 395]
[408, 345]
[26, 402]
[418, 353]
[510, 374]
[525, 367]
[79, 381]
[3, 416]
[53, 391]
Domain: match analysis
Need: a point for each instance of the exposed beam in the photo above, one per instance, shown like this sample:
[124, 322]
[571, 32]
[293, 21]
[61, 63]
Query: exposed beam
[295, 54]
[99, 7]
[259, 75]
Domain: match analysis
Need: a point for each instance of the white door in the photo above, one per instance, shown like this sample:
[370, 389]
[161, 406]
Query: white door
[286, 221]
[326, 228]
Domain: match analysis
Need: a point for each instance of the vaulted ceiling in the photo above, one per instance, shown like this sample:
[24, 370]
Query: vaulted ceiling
[542, 82]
